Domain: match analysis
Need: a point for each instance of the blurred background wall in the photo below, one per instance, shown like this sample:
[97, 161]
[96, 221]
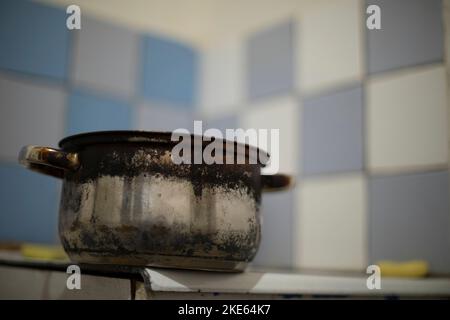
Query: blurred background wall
[363, 114]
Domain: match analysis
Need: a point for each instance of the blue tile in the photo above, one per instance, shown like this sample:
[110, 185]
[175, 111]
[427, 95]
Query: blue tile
[270, 56]
[169, 72]
[411, 33]
[276, 236]
[33, 38]
[93, 113]
[29, 205]
[332, 139]
[409, 219]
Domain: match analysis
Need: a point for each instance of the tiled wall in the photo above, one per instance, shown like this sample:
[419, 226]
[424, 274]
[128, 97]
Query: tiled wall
[55, 82]
[364, 128]
[362, 115]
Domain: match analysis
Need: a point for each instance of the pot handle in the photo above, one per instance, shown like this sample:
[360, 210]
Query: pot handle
[276, 182]
[48, 161]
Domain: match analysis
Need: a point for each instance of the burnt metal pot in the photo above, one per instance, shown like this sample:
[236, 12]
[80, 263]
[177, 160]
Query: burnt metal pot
[124, 201]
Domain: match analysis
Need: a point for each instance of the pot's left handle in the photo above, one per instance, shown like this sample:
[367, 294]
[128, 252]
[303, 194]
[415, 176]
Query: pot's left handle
[48, 161]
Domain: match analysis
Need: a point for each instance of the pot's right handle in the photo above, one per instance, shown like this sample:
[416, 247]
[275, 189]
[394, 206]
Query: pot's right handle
[48, 161]
[276, 182]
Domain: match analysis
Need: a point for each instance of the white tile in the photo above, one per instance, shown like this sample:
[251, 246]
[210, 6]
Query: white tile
[330, 44]
[446, 15]
[330, 224]
[222, 123]
[222, 77]
[283, 114]
[407, 119]
[31, 113]
[105, 58]
[151, 117]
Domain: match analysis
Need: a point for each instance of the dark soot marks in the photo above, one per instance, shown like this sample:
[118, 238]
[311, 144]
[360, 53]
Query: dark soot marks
[164, 240]
[130, 160]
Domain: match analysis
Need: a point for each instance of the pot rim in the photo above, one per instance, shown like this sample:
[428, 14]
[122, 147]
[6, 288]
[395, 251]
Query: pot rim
[139, 136]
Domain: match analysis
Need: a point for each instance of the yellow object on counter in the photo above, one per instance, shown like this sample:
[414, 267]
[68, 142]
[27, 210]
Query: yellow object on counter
[408, 269]
[43, 252]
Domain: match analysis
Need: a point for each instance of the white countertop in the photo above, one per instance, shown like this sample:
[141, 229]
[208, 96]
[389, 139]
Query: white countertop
[286, 283]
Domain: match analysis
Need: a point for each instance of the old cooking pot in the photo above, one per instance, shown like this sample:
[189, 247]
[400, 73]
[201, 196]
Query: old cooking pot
[124, 201]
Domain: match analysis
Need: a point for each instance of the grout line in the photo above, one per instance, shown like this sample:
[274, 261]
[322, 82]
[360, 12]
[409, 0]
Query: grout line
[364, 132]
[31, 78]
[74, 37]
[367, 173]
[407, 171]
[405, 70]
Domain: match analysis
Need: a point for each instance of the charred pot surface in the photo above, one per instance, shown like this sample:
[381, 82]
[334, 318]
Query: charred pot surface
[137, 207]
[132, 159]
